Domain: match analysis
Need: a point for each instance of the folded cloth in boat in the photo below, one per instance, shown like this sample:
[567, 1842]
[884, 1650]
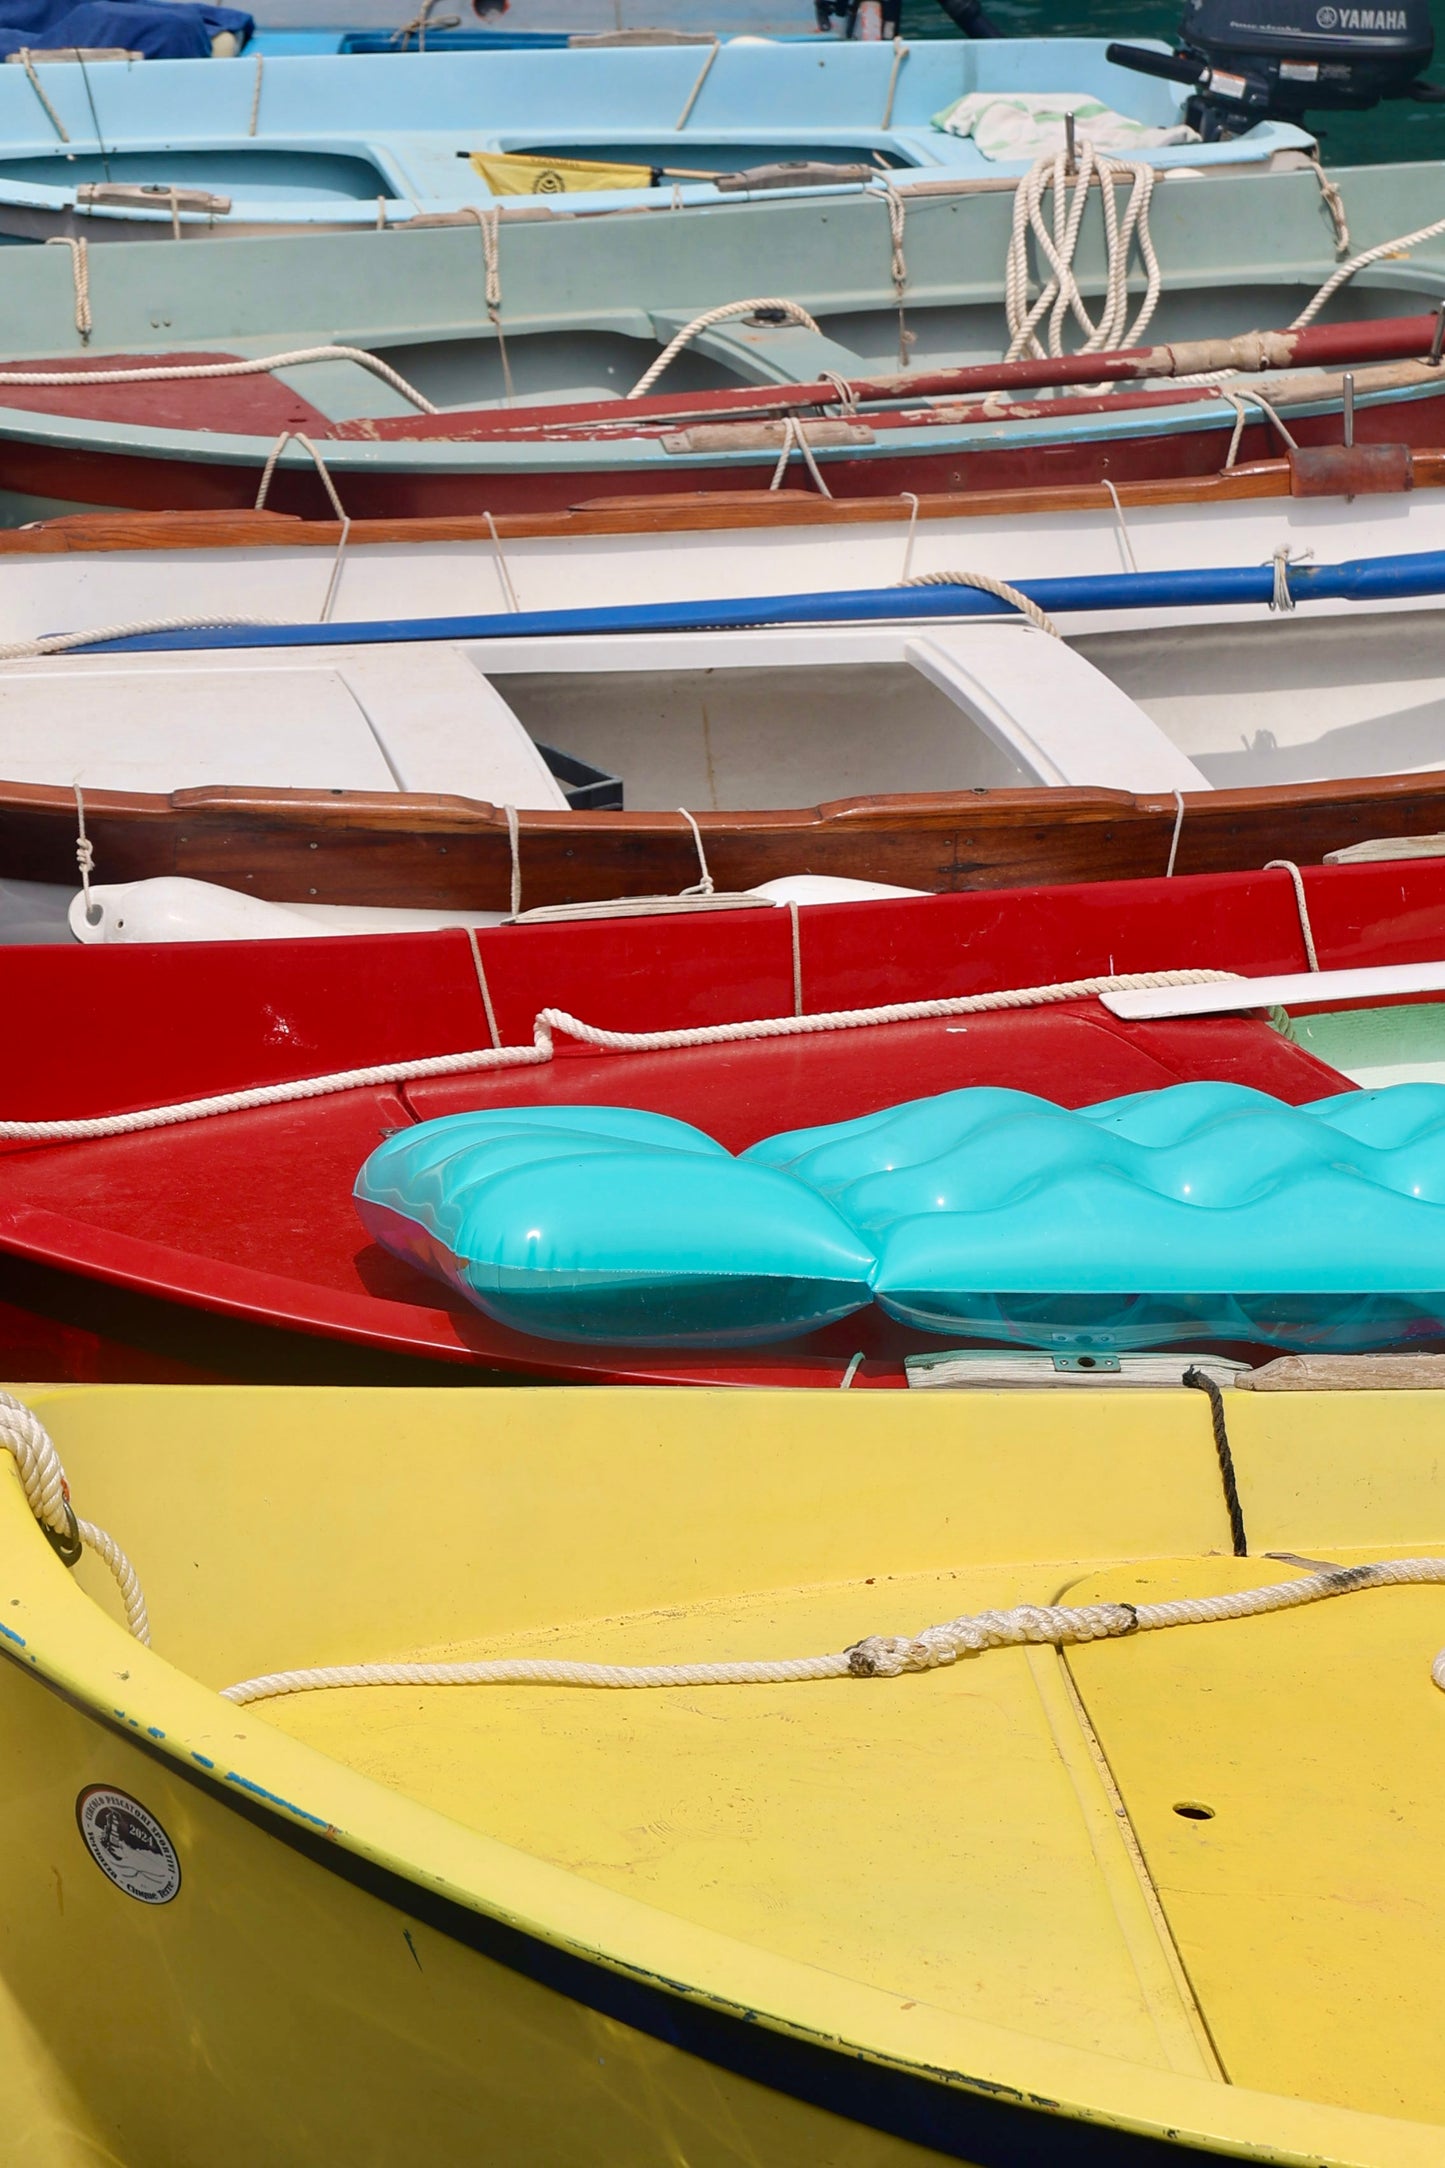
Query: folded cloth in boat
[1204, 1210]
[168, 30]
[1028, 124]
[611, 1224]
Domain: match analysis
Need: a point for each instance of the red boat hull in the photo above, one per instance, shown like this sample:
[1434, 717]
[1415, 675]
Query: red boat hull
[140, 481]
[230, 1246]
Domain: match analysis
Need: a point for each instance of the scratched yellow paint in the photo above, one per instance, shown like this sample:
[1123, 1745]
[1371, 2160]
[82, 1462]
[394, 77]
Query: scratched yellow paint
[973, 1878]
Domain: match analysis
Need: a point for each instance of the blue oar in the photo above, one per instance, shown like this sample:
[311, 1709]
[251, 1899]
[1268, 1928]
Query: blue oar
[1364, 579]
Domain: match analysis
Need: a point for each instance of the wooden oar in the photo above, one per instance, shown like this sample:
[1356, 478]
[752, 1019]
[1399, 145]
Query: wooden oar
[1254, 353]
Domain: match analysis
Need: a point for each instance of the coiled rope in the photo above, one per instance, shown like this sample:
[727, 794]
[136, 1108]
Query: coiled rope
[1061, 296]
[882, 1656]
[553, 1021]
[177, 373]
[790, 312]
[25, 1438]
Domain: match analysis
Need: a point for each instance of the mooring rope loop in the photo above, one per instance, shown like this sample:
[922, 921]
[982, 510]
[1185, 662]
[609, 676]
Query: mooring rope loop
[879, 1656]
[549, 1024]
[25, 1438]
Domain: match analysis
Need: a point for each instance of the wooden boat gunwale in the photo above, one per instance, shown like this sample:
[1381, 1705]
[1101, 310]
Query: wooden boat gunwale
[857, 2055]
[448, 850]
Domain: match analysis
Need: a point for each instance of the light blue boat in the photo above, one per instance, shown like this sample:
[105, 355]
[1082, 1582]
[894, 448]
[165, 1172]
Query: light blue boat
[258, 144]
[455, 26]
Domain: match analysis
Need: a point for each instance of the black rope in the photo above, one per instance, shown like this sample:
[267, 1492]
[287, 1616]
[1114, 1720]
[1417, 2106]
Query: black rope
[1206, 1384]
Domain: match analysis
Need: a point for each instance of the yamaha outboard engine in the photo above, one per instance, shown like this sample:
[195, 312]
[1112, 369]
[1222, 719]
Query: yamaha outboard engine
[1253, 60]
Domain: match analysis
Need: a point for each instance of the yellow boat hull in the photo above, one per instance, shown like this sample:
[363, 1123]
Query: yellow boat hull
[955, 1916]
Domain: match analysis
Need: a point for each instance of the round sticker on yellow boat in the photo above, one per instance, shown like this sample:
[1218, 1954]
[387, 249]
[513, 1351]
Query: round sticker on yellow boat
[128, 1844]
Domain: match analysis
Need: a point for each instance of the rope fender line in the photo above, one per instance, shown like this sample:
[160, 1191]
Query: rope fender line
[792, 312]
[987, 585]
[25, 1438]
[881, 1656]
[189, 372]
[551, 1022]
[1223, 1453]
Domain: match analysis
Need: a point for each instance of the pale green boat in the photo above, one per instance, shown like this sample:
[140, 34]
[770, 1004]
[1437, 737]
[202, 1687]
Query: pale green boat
[377, 328]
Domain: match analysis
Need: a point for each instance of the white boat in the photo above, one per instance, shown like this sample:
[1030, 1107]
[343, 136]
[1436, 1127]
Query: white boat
[624, 721]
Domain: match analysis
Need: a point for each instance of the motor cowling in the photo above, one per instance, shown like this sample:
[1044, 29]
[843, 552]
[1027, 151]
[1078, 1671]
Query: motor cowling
[1251, 60]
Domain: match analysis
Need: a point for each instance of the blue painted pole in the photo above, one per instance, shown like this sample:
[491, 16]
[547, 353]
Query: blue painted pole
[1363, 579]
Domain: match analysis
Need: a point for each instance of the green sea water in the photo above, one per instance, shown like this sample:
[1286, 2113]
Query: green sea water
[1389, 133]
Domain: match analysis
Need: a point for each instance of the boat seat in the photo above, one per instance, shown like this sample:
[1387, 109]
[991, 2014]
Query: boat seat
[1042, 701]
[378, 718]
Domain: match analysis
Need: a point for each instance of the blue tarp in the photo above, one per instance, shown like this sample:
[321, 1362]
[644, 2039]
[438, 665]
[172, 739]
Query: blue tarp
[161, 29]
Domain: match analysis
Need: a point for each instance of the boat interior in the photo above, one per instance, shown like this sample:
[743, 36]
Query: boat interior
[338, 140]
[1138, 1850]
[746, 721]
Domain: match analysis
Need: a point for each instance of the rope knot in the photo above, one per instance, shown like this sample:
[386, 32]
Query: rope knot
[880, 1656]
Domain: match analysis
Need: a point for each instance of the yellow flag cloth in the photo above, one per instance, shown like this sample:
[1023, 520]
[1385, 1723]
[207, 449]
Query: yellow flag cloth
[511, 173]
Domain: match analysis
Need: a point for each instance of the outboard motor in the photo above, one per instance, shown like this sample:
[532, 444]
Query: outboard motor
[1252, 60]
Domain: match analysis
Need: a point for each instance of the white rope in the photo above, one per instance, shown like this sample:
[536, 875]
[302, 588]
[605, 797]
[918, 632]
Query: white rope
[549, 1022]
[987, 585]
[910, 498]
[900, 54]
[696, 92]
[194, 371]
[704, 886]
[1125, 541]
[486, 990]
[1287, 865]
[490, 223]
[1178, 832]
[897, 216]
[1237, 399]
[515, 843]
[508, 589]
[62, 643]
[1282, 597]
[298, 436]
[419, 25]
[1061, 296]
[789, 310]
[256, 95]
[23, 56]
[25, 1438]
[80, 278]
[795, 439]
[855, 1364]
[883, 1656]
[1335, 204]
[84, 860]
[1346, 271]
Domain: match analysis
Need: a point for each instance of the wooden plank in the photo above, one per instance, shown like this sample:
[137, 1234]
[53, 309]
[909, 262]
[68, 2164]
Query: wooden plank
[733, 511]
[1347, 1374]
[446, 852]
